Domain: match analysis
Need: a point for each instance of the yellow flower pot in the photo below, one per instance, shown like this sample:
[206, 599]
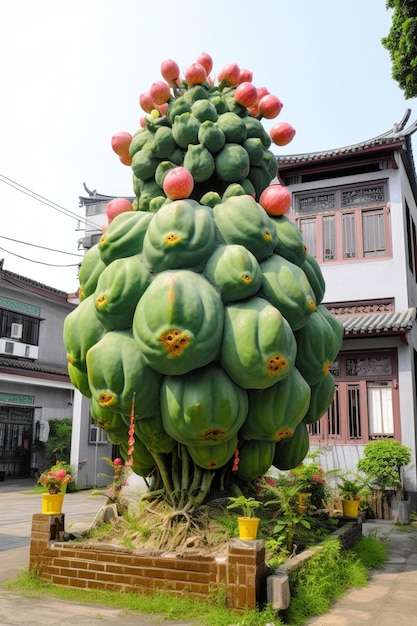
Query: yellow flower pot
[350, 508]
[52, 503]
[248, 527]
[302, 502]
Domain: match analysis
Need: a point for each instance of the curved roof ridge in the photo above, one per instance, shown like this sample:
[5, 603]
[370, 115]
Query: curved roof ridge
[398, 132]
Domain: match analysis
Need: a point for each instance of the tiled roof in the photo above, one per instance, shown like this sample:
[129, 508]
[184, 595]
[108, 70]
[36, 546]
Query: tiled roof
[397, 134]
[33, 366]
[394, 322]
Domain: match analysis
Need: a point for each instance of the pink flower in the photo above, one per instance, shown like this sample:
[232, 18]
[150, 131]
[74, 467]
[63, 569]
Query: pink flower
[320, 470]
[316, 479]
[60, 474]
[324, 481]
[117, 461]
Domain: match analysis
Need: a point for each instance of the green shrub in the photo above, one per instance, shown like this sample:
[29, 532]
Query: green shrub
[382, 461]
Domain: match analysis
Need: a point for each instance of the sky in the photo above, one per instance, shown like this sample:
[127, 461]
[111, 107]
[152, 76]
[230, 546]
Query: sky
[72, 74]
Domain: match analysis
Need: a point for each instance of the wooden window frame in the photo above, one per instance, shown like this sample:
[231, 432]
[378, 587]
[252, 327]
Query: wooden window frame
[320, 432]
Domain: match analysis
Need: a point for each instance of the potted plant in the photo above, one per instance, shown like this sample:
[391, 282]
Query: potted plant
[55, 480]
[383, 461]
[349, 489]
[248, 524]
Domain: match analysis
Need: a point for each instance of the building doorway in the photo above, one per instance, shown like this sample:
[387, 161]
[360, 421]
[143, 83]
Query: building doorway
[16, 424]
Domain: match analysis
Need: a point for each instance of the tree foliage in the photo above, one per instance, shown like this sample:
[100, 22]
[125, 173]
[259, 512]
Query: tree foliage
[401, 43]
[382, 462]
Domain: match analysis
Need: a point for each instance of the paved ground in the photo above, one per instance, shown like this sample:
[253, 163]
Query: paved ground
[389, 599]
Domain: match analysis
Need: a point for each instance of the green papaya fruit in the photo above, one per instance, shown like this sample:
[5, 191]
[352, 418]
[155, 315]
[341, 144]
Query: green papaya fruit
[275, 413]
[89, 272]
[290, 241]
[203, 408]
[255, 459]
[178, 322]
[258, 347]
[234, 271]
[289, 453]
[315, 276]
[181, 234]
[286, 286]
[241, 220]
[81, 331]
[318, 344]
[118, 291]
[124, 236]
[212, 457]
[322, 394]
[118, 376]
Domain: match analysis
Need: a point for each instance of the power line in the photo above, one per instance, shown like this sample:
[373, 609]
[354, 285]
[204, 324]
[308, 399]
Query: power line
[43, 200]
[39, 262]
[34, 245]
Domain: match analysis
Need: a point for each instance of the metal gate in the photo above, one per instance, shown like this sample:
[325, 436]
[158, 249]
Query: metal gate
[16, 424]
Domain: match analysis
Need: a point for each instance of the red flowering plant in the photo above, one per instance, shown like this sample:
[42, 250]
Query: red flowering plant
[311, 479]
[55, 479]
[114, 490]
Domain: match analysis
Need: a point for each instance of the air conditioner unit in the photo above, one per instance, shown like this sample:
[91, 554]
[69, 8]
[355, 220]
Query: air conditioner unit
[16, 331]
[14, 348]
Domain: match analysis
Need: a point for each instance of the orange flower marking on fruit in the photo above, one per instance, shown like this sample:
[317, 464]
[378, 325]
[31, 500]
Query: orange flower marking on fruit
[247, 278]
[284, 433]
[172, 239]
[70, 359]
[213, 434]
[105, 399]
[275, 364]
[267, 235]
[101, 301]
[174, 341]
[326, 368]
[312, 304]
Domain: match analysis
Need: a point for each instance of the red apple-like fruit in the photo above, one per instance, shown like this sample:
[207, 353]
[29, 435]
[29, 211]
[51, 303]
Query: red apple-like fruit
[246, 94]
[120, 143]
[229, 74]
[126, 159]
[117, 206]
[146, 102]
[269, 106]
[275, 199]
[245, 76]
[282, 133]
[178, 183]
[170, 72]
[206, 61]
[160, 92]
[195, 74]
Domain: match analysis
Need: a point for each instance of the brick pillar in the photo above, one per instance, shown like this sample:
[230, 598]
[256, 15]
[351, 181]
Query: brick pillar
[246, 573]
[44, 529]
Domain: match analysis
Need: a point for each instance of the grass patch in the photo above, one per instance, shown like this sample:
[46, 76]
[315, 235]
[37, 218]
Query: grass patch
[324, 578]
[328, 575]
[208, 613]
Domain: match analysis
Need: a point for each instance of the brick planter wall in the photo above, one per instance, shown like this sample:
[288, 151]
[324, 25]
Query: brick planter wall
[242, 572]
[85, 566]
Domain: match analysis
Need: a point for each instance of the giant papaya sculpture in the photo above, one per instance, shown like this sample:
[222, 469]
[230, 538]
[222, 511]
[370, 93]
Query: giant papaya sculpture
[200, 337]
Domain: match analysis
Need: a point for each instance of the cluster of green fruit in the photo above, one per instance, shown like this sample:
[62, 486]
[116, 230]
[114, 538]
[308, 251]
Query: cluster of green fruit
[200, 312]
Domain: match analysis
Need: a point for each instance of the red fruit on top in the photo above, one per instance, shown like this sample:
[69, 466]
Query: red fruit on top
[178, 183]
[195, 74]
[146, 102]
[262, 91]
[282, 133]
[142, 122]
[246, 94]
[126, 159]
[120, 143]
[229, 74]
[116, 206]
[269, 106]
[163, 108]
[245, 76]
[206, 61]
[170, 71]
[160, 92]
[275, 199]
